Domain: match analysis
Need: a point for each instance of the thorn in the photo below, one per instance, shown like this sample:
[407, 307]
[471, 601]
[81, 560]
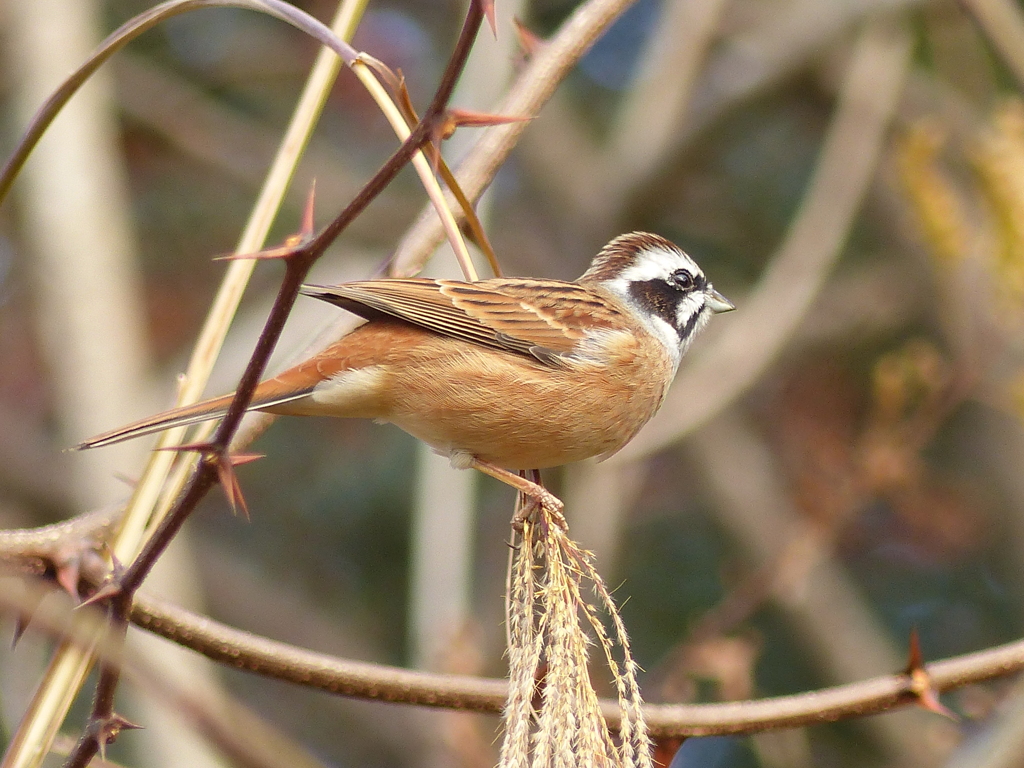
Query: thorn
[112, 586]
[455, 118]
[109, 589]
[21, 623]
[106, 730]
[921, 684]
[225, 470]
[24, 618]
[529, 42]
[915, 659]
[283, 252]
[452, 119]
[229, 480]
[293, 244]
[68, 574]
[487, 6]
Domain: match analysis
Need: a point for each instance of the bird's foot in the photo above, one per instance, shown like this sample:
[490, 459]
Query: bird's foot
[537, 496]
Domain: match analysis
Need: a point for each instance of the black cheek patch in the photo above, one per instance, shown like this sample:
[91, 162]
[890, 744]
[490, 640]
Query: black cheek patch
[661, 300]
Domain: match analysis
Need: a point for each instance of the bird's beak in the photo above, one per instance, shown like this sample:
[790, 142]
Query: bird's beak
[718, 302]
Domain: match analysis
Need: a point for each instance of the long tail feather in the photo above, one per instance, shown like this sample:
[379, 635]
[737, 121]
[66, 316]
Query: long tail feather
[176, 417]
[207, 410]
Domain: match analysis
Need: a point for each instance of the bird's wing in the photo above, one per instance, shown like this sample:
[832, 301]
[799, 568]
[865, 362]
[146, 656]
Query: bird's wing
[541, 318]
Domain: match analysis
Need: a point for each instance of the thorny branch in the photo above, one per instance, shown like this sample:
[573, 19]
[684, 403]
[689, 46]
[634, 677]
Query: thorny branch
[214, 456]
[465, 693]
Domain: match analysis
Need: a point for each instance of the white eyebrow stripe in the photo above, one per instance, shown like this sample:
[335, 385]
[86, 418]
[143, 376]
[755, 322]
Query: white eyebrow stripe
[658, 264]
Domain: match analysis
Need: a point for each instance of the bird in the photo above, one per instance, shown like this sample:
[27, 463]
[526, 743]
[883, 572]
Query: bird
[501, 375]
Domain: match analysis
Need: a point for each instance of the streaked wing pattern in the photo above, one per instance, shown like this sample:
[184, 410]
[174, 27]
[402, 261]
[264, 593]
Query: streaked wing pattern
[540, 318]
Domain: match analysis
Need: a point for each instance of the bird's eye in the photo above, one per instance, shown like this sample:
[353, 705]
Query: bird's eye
[682, 280]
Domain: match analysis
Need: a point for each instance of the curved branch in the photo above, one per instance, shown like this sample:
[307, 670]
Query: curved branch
[132, 29]
[385, 683]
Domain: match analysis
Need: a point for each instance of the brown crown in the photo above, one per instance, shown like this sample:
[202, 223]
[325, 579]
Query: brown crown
[621, 253]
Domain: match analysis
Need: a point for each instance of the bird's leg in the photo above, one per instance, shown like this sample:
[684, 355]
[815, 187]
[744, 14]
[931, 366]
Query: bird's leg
[534, 491]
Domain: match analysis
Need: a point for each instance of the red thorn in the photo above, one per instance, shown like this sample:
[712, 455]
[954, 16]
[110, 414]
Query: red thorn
[225, 464]
[68, 575]
[108, 590]
[529, 43]
[921, 684]
[292, 245]
[915, 659]
[232, 488]
[455, 118]
[238, 459]
[229, 480]
[286, 251]
[487, 6]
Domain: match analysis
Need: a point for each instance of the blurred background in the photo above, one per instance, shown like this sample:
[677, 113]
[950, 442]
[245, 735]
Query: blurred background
[839, 463]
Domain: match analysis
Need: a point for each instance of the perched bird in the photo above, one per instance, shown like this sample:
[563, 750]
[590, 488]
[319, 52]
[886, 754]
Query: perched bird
[501, 374]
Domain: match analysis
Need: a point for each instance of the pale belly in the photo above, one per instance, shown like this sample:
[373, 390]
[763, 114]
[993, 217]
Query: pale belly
[522, 419]
[497, 406]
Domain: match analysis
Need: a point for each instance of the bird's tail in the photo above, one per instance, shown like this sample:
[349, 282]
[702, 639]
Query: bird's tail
[207, 410]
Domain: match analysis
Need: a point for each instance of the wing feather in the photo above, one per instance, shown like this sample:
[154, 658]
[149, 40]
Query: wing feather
[544, 319]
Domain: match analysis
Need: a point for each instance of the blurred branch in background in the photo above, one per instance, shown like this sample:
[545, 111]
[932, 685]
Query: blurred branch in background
[655, 107]
[734, 358]
[829, 615]
[711, 141]
[1003, 23]
[76, 209]
[814, 241]
[88, 288]
[235, 144]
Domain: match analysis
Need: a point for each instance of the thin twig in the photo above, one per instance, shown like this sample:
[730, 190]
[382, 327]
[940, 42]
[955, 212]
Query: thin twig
[214, 457]
[548, 67]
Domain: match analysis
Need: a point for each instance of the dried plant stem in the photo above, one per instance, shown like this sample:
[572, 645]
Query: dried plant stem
[69, 666]
[523, 660]
[1003, 25]
[422, 165]
[547, 640]
[532, 89]
[215, 462]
